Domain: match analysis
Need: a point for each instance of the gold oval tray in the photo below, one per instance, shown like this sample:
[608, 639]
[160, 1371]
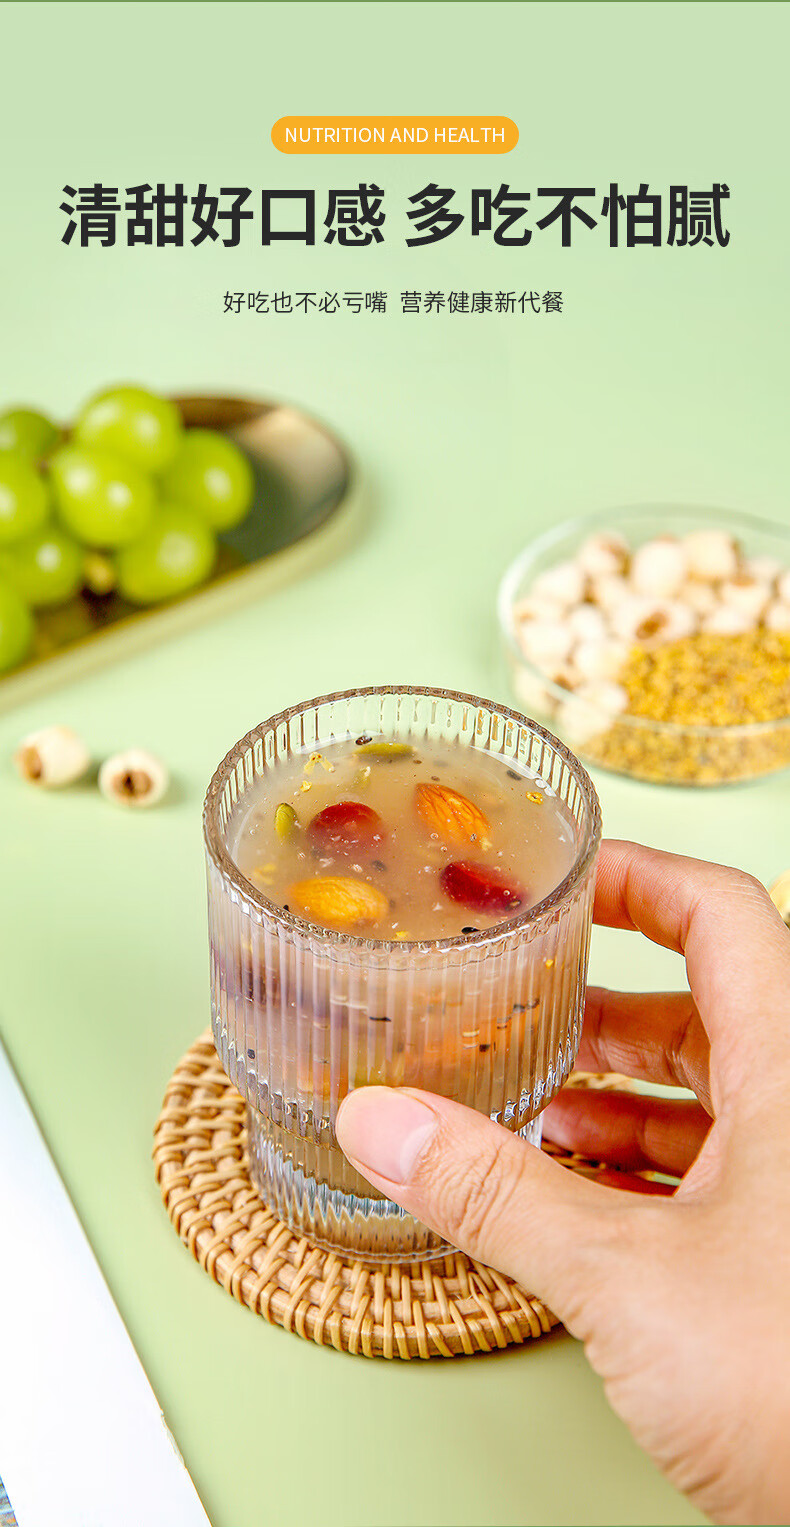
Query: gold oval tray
[306, 508]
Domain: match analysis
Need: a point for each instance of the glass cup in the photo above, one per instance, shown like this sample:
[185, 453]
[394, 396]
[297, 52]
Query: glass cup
[491, 1019]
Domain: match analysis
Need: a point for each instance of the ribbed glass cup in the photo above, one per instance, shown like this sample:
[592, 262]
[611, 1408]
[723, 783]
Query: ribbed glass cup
[491, 1019]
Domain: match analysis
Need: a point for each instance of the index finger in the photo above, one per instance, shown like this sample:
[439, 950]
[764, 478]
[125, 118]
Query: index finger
[736, 946]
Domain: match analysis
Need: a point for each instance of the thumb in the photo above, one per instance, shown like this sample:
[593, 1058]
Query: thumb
[492, 1195]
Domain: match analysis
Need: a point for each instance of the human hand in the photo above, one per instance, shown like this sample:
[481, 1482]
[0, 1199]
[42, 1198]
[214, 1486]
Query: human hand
[682, 1302]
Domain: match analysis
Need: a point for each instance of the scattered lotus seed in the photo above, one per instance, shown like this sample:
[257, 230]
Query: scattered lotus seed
[133, 778]
[52, 757]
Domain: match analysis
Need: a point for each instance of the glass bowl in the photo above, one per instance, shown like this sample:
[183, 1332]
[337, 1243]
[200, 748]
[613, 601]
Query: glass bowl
[659, 751]
[491, 1019]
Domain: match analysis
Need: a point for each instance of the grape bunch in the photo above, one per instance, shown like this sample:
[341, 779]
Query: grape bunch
[126, 501]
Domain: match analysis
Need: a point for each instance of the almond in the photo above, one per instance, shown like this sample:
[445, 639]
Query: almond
[338, 901]
[451, 815]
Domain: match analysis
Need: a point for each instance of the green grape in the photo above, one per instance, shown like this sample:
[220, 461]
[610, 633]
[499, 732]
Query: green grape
[45, 568]
[212, 476]
[16, 626]
[99, 574]
[24, 500]
[28, 432]
[132, 423]
[102, 499]
[175, 554]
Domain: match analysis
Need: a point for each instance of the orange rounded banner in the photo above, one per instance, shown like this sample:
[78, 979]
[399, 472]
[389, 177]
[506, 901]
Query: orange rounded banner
[395, 135]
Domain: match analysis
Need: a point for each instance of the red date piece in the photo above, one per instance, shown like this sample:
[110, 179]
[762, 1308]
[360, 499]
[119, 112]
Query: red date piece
[346, 826]
[481, 889]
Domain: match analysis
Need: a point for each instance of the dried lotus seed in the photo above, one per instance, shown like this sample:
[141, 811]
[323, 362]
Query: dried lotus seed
[586, 622]
[727, 620]
[777, 616]
[600, 659]
[711, 554]
[698, 596]
[766, 569]
[650, 623]
[546, 643]
[530, 608]
[532, 693]
[659, 567]
[745, 593]
[603, 555]
[591, 710]
[563, 583]
[611, 698]
[609, 591]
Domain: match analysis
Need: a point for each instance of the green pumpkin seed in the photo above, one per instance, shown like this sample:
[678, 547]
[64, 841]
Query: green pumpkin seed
[386, 750]
[285, 821]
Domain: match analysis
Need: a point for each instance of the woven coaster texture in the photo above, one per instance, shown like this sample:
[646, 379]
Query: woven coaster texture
[440, 1308]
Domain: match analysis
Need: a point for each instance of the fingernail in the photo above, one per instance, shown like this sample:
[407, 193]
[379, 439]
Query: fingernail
[558, 1122]
[384, 1131]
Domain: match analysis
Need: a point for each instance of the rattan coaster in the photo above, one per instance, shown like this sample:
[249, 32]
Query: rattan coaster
[421, 1309]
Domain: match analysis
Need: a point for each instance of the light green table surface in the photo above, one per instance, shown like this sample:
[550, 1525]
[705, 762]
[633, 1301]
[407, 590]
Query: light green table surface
[664, 379]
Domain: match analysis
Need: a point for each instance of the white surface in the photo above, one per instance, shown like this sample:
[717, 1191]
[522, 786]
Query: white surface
[83, 1442]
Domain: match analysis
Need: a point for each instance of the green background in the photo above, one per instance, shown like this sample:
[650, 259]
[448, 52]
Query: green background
[663, 379]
